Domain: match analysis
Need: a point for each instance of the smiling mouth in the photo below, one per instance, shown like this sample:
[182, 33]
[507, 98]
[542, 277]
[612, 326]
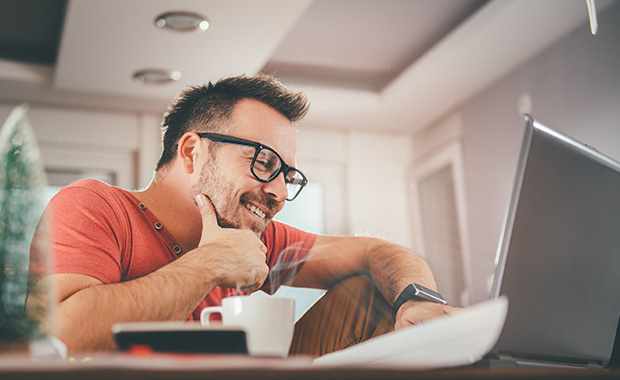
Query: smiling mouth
[258, 212]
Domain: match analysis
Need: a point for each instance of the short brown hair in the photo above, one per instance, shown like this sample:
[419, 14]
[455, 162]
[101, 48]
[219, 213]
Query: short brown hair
[208, 107]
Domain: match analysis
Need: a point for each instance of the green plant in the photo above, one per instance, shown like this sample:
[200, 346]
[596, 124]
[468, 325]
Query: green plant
[22, 182]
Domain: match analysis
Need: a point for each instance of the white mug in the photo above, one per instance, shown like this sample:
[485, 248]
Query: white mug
[267, 321]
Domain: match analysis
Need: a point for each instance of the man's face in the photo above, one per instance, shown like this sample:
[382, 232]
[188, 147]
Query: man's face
[240, 200]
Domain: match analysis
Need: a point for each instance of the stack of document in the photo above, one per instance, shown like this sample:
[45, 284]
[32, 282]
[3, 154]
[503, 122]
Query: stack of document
[456, 339]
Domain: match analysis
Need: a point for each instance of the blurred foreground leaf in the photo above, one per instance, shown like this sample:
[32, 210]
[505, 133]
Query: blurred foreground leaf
[22, 182]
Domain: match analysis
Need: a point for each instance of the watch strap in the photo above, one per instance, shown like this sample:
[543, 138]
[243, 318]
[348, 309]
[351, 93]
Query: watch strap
[410, 293]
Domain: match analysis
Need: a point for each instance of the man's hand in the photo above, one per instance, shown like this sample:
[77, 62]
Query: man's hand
[414, 312]
[237, 256]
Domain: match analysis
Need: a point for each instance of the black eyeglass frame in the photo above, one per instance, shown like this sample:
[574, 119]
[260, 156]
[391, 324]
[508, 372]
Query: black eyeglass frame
[284, 168]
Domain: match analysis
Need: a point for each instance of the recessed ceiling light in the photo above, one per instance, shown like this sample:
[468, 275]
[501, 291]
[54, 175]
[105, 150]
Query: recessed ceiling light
[156, 76]
[181, 21]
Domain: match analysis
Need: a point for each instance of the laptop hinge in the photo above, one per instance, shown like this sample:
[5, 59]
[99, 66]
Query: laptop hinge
[509, 361]
[594, 365]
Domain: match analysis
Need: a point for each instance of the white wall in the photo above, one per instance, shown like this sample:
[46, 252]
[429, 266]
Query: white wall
[365, 180]
[378, 186]
[127, 144]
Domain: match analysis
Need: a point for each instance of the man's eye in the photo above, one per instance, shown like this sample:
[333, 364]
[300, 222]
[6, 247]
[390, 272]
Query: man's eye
[263, 165]
[265, 161]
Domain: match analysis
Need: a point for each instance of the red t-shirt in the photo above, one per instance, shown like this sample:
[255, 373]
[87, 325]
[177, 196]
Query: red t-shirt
[106, 233]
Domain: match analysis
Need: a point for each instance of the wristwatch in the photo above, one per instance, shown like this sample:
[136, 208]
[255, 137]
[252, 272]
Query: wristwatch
[419, 293]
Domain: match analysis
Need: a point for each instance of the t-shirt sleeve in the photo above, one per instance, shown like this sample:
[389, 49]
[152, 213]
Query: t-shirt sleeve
[84, 234]
[287, 249]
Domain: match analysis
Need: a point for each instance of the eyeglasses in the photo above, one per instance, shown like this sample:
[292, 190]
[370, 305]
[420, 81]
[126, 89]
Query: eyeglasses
[266, 163]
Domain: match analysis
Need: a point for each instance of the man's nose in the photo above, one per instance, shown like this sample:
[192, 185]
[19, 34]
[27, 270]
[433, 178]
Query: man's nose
[277, 188]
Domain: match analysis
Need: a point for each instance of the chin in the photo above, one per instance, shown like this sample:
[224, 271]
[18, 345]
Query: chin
[259, 230]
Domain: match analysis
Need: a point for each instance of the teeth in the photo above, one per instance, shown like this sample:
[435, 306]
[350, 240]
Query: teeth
[255, 210]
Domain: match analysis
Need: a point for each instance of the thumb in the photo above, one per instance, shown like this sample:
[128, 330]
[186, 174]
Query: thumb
[207, 211]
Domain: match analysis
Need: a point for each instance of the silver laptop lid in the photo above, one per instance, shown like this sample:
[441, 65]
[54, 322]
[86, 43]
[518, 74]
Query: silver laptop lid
[558, 260]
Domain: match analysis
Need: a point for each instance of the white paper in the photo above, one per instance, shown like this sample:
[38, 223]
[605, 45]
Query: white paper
[453, 340]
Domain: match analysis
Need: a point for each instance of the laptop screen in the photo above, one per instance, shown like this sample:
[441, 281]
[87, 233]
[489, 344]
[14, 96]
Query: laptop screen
[558, 260]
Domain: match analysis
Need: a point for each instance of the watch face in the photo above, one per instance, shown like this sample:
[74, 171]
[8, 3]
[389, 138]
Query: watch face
[427, 294]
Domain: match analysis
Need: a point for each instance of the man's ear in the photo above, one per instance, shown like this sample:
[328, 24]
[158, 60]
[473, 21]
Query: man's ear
[188, 151]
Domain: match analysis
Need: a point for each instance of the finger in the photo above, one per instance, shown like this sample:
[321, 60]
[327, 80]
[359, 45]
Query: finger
[256, 286]
[207, 211]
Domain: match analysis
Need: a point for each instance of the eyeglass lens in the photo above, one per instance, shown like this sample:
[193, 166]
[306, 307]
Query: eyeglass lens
[267, 165]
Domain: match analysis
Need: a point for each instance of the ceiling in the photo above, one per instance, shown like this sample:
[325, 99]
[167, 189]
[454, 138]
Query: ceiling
[365, 64]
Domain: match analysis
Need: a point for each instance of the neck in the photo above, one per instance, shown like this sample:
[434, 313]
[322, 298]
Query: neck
[170, 201]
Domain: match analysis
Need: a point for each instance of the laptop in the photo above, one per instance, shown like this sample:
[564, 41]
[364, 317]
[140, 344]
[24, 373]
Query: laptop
[558, 260]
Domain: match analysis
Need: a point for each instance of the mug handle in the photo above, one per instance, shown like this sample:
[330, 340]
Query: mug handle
[206, 313]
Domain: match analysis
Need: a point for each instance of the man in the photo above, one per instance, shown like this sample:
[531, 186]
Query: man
[203, 230]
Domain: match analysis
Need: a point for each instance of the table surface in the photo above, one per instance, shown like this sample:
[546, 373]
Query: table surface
[196, 366]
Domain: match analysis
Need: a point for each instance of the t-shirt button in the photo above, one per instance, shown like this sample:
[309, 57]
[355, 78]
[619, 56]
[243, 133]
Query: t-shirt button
[177, 249]
[142, 206]
[158, 226]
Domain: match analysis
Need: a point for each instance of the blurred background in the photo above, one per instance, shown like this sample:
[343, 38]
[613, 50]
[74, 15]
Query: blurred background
[415, 124]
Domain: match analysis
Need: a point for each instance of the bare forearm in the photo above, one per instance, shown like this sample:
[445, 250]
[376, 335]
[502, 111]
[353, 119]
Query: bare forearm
[393, 267]
[85, 318]
[86, 308]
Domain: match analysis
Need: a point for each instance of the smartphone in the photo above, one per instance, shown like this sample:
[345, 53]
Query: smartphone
[180, 337]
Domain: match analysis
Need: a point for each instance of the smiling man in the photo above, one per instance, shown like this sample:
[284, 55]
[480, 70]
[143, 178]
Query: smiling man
[203, 230]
